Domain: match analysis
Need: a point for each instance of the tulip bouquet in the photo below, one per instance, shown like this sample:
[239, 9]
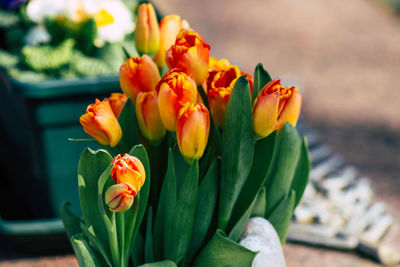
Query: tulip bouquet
[204, 147]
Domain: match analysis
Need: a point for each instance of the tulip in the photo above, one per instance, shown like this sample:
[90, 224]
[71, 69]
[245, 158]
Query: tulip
[215, 65]
[128, 169]
[170, 26]
[190, 53]
[147, 33]
[119, 197]
[117, 102]
[148, 116]
[100, 122]
[192, 130]
[175, 89]
[274, 106]
[138, 74]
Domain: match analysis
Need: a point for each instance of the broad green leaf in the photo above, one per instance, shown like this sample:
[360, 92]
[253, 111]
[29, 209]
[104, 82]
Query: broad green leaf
[70, 220]
[263, 151]
[223, 252]
[181, 167]
[205, 208]
[300, 178]
[160, 264]
[130, 132]
[148, 245]
[85, 254]
[91, 166]
[261, 78]
[282, 214]
[165, 208]
[95, 243]
[238, 149]
[261, 204]
[283, 165]
[179, 233]
[137, 253]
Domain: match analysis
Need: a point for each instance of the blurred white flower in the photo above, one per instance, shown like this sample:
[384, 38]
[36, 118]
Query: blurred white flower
[37, 35]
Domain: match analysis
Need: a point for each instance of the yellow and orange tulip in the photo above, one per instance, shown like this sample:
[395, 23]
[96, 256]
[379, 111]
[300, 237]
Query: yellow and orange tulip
[192, 131]
[147, 32]
[119, 197]
[191, 54]
[148, 116]
[128, 169]
[274, 106]
[138, 74]
[175, 89]
[117, 102]
[100, 122]
[170, 26]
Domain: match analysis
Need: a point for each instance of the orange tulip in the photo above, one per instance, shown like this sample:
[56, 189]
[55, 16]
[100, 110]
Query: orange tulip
[148, 116]
[190, 53]
[147, 33]
[175, 89]
[215, 65]
[274, 106]
[128, 169]
[192, 130]
[117, 102]
[119, 197]
[138, 74]
[100, 122]
[170, 26]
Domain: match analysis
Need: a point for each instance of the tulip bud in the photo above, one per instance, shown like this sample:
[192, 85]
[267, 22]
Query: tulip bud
[148, 116]
[191, 54]
[119, 197]
[138, 74]
[170, 26]
[274, 106]
[174, 90]
[117, 102]
[100, 122]
[192, 130]
[128, 169]
[147, 33]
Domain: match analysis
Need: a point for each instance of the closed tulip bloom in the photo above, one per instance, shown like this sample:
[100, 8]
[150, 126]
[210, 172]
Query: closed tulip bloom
[274, 106]
[147, 33]
[170, 26]
[128, 169]
[191, 54]
[119, 197]
[192, 130]
[138, 74]
[117, 102]
[148, 116]
[175, 89]
[100, 122]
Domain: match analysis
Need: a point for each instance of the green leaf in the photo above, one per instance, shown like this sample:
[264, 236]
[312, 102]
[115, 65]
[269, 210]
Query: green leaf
[137, 255]
[238, 148]
[130, 132]
[148, 245]
[70, 220]
[263, 151]
[165, 208]
[205, 208]
[181, 167]
[179, 233]
[261, 204]
[160, 264]
[284, 161]
[282, 214]
[85, 254]
[300, 178]
[261, 78]
[95, 243]
[91, 166]
[223, 252]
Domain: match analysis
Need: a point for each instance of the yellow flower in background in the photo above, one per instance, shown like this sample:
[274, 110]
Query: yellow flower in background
[138, 74]
[191, 54]
[128, 169]
[274, 106]
[120, 197]
[192, 130]
[117, 102]
[170, 26]
[148, 116]
[147, 33]
[175, 89]
[100, 122]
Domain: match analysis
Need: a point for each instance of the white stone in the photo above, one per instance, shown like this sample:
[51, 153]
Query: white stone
[260, 236]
